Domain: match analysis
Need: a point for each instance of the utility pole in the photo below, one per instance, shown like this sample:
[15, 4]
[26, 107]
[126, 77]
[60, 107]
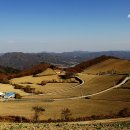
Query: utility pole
[81, 91]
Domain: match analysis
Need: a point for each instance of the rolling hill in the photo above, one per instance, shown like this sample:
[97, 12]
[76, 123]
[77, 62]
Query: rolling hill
[86, 64]
[56, 93]
[111, 65]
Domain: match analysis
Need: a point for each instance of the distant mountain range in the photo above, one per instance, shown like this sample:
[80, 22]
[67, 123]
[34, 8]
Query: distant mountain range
[19, 60]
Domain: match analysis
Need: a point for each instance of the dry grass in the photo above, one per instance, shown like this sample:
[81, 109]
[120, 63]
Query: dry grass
[79, 108]
[121, 95]
[48, 71]
[100, 104]
[93, 84]
[126, 86]
[10, 88]
[100, 83]
[34, 80]
[116, 64]
[52, 87]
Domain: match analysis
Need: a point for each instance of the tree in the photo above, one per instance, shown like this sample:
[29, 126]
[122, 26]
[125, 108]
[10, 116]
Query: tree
[37, 112]
[124, 112]
[65, 114]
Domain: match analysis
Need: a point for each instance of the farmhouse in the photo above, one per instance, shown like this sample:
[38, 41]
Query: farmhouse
[9, 95]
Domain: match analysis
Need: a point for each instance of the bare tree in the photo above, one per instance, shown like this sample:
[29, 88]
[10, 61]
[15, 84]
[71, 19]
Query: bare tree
[37, 112]
[65, 114]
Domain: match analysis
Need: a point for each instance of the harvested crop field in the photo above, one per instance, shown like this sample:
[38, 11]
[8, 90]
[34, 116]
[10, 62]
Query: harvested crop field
[35, 80]
[78, 107]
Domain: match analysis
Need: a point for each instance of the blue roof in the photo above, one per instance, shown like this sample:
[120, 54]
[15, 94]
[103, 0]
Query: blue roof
[9, 94]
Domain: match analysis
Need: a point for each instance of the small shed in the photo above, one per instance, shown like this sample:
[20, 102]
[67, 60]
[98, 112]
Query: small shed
[9, 95]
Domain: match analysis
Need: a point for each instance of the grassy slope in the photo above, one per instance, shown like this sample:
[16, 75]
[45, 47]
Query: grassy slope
[48, 71]
[79, 107]
[93, 84]
[52, 87]
[84, 65]
[116, 64]
[9, 88]
[119, 94]
[35, 80]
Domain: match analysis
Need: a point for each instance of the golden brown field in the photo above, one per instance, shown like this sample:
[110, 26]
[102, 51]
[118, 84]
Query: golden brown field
[78, 107]
[121, 66]
[55, 95]
[10, 88]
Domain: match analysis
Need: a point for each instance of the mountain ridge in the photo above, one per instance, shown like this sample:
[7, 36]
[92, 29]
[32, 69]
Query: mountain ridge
[22, 61]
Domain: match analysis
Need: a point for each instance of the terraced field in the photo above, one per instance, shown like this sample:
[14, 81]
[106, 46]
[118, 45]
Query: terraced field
[78, 107]
[34, 80]
[56, 92]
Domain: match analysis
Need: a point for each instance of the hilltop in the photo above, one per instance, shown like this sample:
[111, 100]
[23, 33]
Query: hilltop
[86, 64]
[111, 65]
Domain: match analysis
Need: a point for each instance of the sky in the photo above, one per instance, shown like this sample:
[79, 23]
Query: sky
[64, 25]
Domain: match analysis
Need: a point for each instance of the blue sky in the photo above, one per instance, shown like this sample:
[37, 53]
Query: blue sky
[64, 25]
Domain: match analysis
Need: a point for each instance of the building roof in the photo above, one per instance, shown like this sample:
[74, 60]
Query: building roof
[9, 94]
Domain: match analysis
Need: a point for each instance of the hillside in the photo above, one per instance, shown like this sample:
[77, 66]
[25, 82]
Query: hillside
[32, 71]
[8, 70]
[18, 60]
[48, 71]
[110, 66]
[84, 65]
[7, 73]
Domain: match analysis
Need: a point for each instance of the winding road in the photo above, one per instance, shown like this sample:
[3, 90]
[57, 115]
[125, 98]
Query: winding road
[94, 94]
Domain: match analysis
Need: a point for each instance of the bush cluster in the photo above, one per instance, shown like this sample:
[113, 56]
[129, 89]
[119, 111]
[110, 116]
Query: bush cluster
[26, 89]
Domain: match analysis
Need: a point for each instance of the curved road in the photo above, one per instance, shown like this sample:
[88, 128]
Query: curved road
[90, 95]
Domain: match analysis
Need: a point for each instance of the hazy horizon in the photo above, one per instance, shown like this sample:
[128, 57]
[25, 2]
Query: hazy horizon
[64, 26]
[66, 51]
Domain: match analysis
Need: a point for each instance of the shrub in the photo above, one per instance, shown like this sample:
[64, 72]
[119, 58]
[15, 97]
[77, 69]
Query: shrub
[52, 81]
[26, 83]
[28, 89]
[4, 81]
[42, 83]
[65, 114]
[17, 86]
[18, 96]
[38, 92]
[37, 72]
[37, 112]
[124, 112]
